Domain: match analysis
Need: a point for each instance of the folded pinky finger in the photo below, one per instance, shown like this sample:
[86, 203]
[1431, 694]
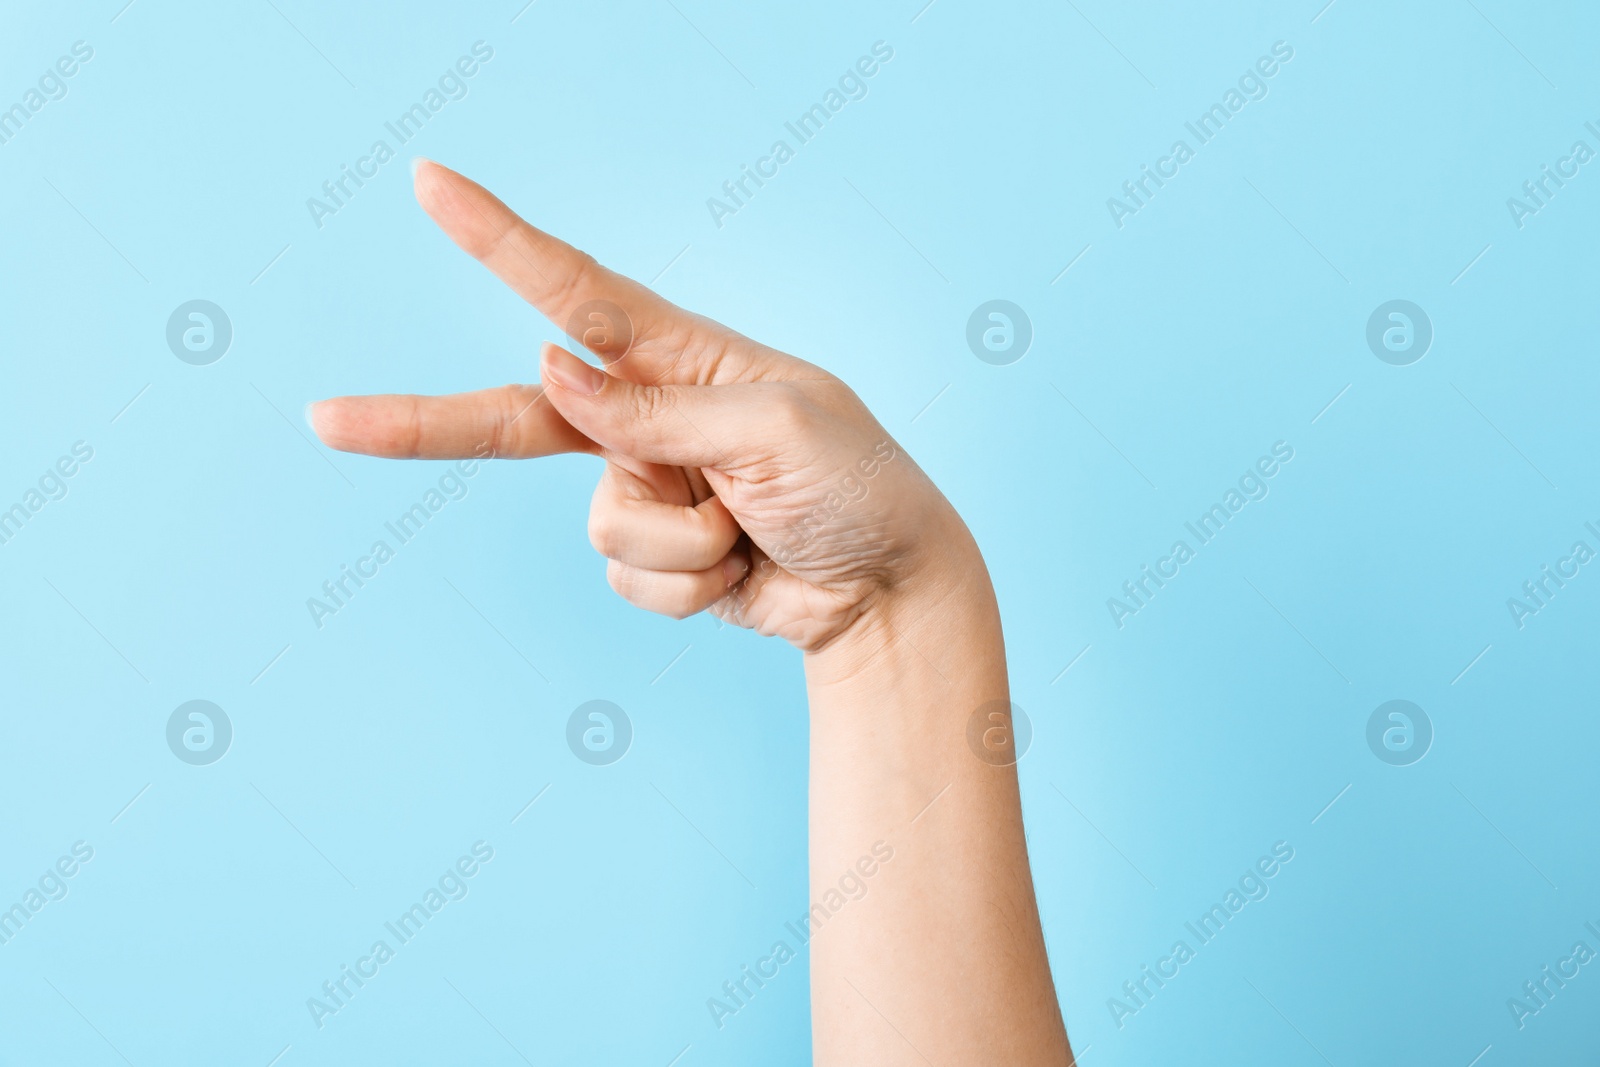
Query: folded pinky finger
[677, 594]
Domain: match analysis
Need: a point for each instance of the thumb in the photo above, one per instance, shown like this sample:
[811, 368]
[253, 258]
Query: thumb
[678, 425]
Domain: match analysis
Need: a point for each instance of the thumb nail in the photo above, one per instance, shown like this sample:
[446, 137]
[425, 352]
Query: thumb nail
[571, 373]
[734, 568]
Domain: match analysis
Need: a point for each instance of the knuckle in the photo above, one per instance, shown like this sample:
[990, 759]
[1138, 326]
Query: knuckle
[496, 437]
[514, 432]
[792, 414]
[709, 542]
[684, 603]
[620, 576]
[645, 589]
[575, 281]
[413, 432]
[603, 530]
[650, 403]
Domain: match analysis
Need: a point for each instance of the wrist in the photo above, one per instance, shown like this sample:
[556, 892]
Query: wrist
[941, 610]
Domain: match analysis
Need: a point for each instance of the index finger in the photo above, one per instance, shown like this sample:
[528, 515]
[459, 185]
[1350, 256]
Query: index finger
[639, 334]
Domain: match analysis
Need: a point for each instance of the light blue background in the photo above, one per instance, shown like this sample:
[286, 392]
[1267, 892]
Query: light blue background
[1223, 317]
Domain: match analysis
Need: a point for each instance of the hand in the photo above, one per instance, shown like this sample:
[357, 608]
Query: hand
[738, 479]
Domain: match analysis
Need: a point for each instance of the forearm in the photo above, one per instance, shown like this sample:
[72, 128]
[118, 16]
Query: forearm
[942, 959]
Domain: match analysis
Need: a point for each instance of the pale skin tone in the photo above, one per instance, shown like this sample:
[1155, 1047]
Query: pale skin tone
[751, 484]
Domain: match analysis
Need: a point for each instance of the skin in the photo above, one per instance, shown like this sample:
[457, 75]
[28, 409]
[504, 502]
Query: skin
[746, 482]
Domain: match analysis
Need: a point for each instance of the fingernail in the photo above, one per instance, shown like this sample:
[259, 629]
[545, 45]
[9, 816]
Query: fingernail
[571, 373]
[311, 415]
[416, 165]
[734, 568]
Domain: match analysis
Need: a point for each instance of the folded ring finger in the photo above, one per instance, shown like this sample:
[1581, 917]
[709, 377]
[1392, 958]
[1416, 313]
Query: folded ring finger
[628, 522]
[678, 594]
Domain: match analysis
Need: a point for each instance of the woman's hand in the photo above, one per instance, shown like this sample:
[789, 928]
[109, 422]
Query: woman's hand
[737, 478]
[749, 482]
